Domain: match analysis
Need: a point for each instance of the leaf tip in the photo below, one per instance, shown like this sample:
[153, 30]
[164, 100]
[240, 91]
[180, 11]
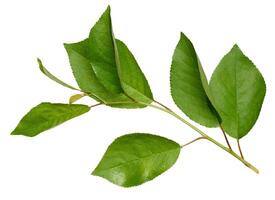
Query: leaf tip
[107, 11]
[235, 46]
[38, 60]
[94, 173]
[40, 64]
[65, 45]
[108, 8]
[182, 34]
[14, 133]
[17, 132]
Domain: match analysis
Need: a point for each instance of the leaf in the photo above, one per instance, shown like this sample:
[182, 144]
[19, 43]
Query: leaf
[47, 115]
[76, 97]
[136, 158]
[239, 91]
[189, 86]
[83, 71]
[93, 62]
[51, 76]
[102, 50]
[132, 78]
[87, 79]
[94, 66]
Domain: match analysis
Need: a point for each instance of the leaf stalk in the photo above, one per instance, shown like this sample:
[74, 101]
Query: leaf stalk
[98, 104]
[225, 137]
[204, 135]
[192, 141]
[240, 149]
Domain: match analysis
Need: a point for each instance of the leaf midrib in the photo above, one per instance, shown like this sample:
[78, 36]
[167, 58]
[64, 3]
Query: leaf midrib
[63, 117]
[137, 159]
[236, 98]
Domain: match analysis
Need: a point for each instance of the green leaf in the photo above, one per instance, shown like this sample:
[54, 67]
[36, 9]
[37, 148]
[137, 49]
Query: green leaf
[51, 76]
[137, 158]
[94, 64]
[83, 71]
[238, 89]
[189, 86]
[102, 52]
[87, 80]
[76, 97]
[132, 78]
[47, 115]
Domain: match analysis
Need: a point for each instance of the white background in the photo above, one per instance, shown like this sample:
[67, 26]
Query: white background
[57, 164]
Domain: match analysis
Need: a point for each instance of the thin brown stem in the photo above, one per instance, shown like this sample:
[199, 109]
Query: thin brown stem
[98, 104]
[239, 146]
[199, 138]
[225, 137]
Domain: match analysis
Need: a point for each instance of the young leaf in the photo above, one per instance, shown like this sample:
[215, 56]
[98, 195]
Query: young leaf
[76, 97]
[189, 86]
[137, 158]
[47, 115]
[51, 76]
[239, 91]
[132, 78]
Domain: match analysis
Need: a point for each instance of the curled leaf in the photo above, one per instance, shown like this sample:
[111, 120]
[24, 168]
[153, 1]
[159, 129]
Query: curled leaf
[52, 77]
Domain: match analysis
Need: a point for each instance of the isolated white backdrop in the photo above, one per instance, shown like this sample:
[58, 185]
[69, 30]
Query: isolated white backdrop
[57, 163]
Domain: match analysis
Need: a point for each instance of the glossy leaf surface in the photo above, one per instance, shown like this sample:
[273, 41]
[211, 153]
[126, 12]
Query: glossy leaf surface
[137, 158]
[102, 53]
[47, 115]
[94, 62]
[132, 78]
[238, 89]
[189, 86]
